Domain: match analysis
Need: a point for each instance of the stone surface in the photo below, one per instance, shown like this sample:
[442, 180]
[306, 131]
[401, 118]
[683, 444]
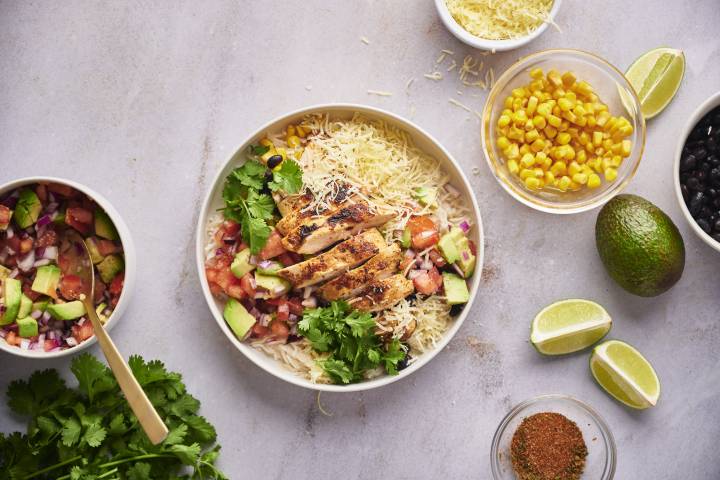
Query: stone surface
[144, 101]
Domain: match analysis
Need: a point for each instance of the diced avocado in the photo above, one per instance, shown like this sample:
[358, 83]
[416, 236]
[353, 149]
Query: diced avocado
[6, 217]
[271, 269]
[27, 327]
[238, 318]
[466, 260]
[110, 266]
[25, 307]
[456, 290]
[100, 312]
[448, 248]
[40, 305]
[104, 227]
[276, 286]
[67, 311]
[27, 209]
[241, 263]
[406, 239]
[12, 296]
[4, 272]
[46, 280]
[92, 246]
[426, 195]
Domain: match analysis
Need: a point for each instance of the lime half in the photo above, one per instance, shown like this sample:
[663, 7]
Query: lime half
[625, 374]
[656, 77]
[568, 326]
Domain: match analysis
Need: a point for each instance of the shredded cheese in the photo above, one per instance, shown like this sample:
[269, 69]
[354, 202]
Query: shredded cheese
[432, 315]
[436, 76]
[379, 93]
[500, 20]
[365, 40]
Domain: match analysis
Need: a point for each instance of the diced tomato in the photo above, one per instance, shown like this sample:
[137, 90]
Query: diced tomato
[228, 230]
[423, 231]
[99, 290]
[13, 243]
[12, 339]
[28, 291]
[437, 258]
[279, 329]
[5, 215]
[79, 219]
[273, 247]
[429, 282]
[260, 331]
[63, 262]
[215, 289]
[106, 247]
[290, 258]
[473, 247]
[247, 282]
[235, 291]
[41, 192]
[283, 312]
[295, 305]
[63, 190]
[49, 345]
[70, 287]
[117, 283]
[82, 332]
[47, 239]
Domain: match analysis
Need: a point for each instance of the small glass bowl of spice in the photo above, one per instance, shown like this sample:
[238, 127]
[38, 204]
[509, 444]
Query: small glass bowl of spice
[553, 437]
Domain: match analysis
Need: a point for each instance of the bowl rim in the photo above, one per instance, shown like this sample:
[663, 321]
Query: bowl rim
[519, 194]
[128, 252]
[487, 44]
[608, 438]
[339, 108]
[705, 107]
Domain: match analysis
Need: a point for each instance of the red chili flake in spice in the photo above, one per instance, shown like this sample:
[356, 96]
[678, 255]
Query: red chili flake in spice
[548, 446]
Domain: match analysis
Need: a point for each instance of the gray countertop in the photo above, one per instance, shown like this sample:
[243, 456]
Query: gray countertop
[143, 101]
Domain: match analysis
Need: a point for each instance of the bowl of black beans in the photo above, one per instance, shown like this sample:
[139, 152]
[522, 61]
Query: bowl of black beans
[697, 171]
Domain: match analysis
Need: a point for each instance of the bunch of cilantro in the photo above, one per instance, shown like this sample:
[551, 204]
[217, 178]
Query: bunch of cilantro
[349, 337]
[90, 433]
[248, 199]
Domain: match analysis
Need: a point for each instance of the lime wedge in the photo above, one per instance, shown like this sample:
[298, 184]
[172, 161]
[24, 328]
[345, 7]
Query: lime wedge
[568, 326]
[625, 374]
[656, 77]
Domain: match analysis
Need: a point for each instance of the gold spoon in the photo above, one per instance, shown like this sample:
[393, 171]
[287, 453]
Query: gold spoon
[77, 262]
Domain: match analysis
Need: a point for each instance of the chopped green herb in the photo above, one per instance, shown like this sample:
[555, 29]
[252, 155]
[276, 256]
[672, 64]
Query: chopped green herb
[349, 338]
[288, 177]
[90, 432]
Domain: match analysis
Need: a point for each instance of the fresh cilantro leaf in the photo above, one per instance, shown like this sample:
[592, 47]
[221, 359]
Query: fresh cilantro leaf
[94, 435]
[71, 432]
[187, 454]
[288, 177]
[139, 471]
[251, 174]
[337, 370]
[360, 323]
[176, 435]
[259, 149]
[202, 430]
[93, 376]
[184, 405]
[37, 394]
[260, 205]
[117, 425]
[393, 356]
[255, 233]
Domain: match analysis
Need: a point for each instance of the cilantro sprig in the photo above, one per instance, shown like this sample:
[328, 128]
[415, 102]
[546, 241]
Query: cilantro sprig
[247, 198]
[90, 433]
[349, 337]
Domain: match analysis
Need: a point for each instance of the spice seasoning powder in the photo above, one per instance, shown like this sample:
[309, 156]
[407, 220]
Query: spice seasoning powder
[548, 446]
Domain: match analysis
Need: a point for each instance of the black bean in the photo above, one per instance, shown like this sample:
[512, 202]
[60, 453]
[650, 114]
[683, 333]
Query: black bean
[712, 143]
[702, 223]
[701, 175]
[705, 212]
[685, 193]
[688, 163]
[713, 160]
[696, 202]
[693, 183]
[274, 161]
[716, 225]
[711, 192]
[455, 310]
[700, 153]
[716, 203]
[715, 175]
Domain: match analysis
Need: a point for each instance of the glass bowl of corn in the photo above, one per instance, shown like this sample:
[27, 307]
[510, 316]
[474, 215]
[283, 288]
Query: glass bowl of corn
[562, 131]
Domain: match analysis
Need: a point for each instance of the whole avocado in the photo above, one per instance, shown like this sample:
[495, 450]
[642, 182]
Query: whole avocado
[639, 245]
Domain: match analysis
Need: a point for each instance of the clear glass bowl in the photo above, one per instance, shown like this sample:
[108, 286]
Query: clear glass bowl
[613, 89]
[602, 455]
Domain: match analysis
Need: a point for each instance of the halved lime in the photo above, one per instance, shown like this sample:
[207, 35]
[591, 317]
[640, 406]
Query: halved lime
[568, 326]
[625, 374]
[656, 77]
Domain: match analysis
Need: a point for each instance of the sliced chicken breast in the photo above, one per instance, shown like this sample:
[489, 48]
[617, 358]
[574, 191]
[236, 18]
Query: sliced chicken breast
[383, 294]
[291, 204]
[350, 283]
[326, 230]
[298, 214]
[334, 262]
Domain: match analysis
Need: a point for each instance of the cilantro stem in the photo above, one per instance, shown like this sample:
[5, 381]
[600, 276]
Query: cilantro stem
[53, 467]
[147, 456]
[108, 473]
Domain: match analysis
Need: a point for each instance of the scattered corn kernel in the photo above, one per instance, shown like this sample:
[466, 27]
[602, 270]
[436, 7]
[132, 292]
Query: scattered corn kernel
[293, 141]
[532, 183]
[594, 180]
[610, 174]
[513, 167]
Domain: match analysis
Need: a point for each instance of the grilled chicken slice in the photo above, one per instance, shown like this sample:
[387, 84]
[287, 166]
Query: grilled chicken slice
[297, 213]
[326, 230]
[291, 204]
[383, 294]
[350, 283]
[334, 262]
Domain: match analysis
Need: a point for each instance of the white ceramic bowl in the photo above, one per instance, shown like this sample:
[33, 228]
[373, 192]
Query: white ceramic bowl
[697, 115]
[213, 201]
[483, 43]
[130, 265]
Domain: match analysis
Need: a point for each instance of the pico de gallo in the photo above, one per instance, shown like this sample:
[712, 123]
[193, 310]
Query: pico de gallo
[39, 304]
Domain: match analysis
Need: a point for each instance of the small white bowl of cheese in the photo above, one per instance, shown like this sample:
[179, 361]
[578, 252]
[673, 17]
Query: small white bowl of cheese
[497, 25]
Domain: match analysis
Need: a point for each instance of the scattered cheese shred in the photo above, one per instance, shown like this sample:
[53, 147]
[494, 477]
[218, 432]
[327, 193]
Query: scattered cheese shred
[365, 40]
[436, 76]
[500, 20]
[379, 93]
[407, 85]
[432, 315]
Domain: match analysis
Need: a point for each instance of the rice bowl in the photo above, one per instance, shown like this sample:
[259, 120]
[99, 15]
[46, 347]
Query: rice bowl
[295, 360]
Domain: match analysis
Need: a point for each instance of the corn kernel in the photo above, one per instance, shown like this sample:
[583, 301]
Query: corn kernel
[512, 151]
[610, 174]
[525, 148]
[519, 117]
[591, 121]
[583, 88]
[536, 73]
[528, 125]
[616, 161]
[532, 105]
[503, 121]
[558, 169]
[528, 160]
[580, 178]
[574, 169]
[539, 172]
[597, 138]
[581, 156]
[544, 109]
[538, 145]
[565, 104]
[532, 183]
[282, 152]
[293, 141]
[266, 156]
[554, 78]
[290, 131]
[513, 167]
[594, 181]
[301, 131]
[526, 173]
[518, 92]
[564, 183]
[563, 138]
[554, 121]
[532, 135]
[550, 131]
[626, 148]
[549, 178]
[539, 122]
[564, 125]
[508, 103]
[568, 79]
[266, 142]
[503, 143]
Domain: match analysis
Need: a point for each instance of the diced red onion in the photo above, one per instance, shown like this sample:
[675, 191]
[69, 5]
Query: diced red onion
[310, 302]
[3, 255]
[253, 282]
[413, 274]
[36, 314]
[51, 207]
[81, 321]
[426, 234]
[457, 269]
[43, 221]
[409, 253]
[42, 262]
[253, 260]
[9, 232]
[260, 294]
[256, 313]
[46, 316]
[24, 344]
[279, 290]
[51, 335]
[71, 341]
[41, 231]
[41, 338]
[14, 273]
[51, 197]
[465, 226]
[3, 332]
[26, 263]
[265, 264]
[465, 255]
[426, 265]
[265, 319]
[292, 317]
[219, 251]
[307, 292]
[51, 253]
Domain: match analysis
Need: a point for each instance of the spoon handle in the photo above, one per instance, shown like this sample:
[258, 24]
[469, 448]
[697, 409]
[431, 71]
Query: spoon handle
[148, 417]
